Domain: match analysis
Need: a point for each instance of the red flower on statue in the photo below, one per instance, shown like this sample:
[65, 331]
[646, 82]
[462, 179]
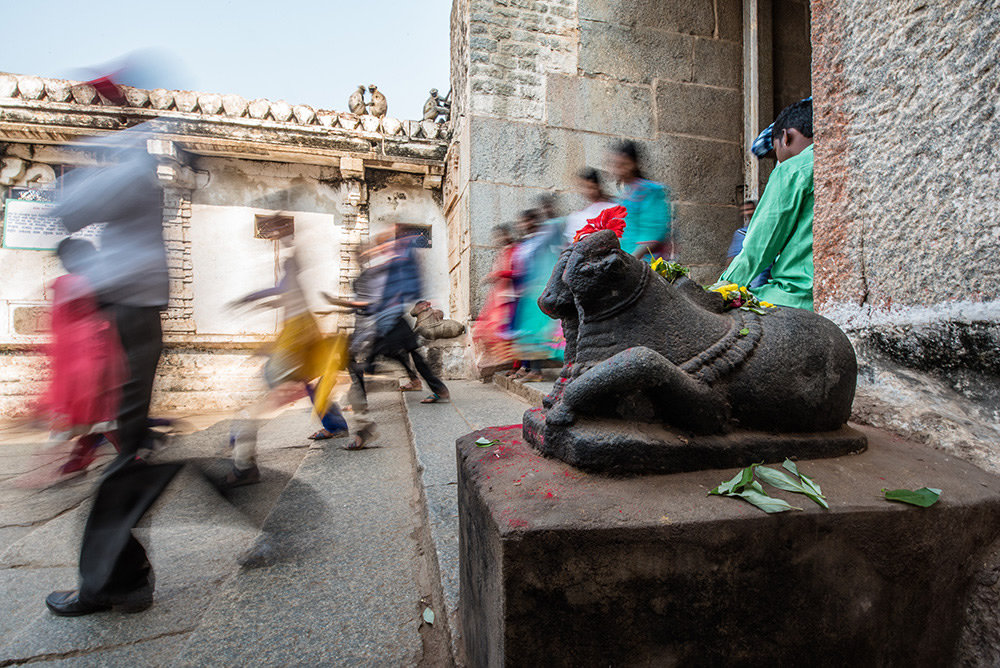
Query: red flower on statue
[610, 219]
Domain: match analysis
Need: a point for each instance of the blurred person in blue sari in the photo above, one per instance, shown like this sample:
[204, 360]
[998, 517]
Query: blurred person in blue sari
[647, 228]
[536, 336]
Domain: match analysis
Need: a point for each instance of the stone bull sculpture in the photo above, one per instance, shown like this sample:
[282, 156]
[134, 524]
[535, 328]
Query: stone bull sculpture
[660, 377]
[431, 323]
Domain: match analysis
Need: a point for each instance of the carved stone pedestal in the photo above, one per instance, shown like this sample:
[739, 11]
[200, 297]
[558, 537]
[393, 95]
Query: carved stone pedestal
[622, 447]
[562, 568]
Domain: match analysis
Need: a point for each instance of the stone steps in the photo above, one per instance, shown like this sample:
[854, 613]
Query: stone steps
[434, 429]
[533, 393]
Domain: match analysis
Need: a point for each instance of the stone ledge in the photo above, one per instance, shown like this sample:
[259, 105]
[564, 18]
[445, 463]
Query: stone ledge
[533, 393]
[59, 123]
[562, 568]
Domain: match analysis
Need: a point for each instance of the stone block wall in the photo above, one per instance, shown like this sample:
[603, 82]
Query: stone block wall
[179, 316]
[791, 53]
[550, 85]
[906, 238]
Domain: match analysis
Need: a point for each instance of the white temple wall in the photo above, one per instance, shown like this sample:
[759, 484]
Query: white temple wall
[402, 200]
[229, 262]
[213, 367]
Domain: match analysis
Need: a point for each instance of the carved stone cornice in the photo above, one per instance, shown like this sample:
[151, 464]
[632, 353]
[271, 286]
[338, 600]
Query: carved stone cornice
[49, 111]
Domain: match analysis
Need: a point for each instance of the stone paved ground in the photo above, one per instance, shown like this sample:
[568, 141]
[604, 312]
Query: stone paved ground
[350, 546]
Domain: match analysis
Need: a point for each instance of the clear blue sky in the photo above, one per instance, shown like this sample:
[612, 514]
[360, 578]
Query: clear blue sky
[305, 52]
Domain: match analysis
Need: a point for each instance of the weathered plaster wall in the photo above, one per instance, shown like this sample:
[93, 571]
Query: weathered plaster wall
[552, 85]
[905, 233]
[229, 262]
[28, 274]
[401, 199]
[208, 363]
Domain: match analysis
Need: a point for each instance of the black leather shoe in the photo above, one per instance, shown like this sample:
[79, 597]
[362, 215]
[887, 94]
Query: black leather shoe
[68, 604]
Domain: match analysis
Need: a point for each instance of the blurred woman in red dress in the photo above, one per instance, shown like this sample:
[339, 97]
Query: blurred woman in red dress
[86, 362]
[491, 332]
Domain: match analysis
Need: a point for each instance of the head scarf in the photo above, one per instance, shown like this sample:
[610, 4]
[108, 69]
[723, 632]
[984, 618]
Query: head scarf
[764, 143]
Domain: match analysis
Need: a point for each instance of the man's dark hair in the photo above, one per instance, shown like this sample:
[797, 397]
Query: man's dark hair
[798, 116]
[546, 205]
[75, 254]
[590, 174]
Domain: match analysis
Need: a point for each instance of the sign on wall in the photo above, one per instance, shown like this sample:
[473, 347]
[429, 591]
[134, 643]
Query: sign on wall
[28, 223]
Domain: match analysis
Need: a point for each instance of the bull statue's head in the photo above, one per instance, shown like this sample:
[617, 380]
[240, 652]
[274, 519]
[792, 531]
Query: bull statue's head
[600, 273]
[556, 301]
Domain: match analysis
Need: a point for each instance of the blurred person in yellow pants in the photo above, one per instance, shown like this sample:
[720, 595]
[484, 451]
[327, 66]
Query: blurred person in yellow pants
[300, 354]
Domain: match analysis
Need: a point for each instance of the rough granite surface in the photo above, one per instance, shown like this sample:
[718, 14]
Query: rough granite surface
[905, 229]
[906, 157]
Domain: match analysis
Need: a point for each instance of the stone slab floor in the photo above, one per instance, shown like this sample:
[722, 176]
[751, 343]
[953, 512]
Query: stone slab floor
[344, 565]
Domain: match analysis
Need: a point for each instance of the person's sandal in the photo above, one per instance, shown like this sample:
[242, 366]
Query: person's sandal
[436, 399]
[413, 386]
[324, 434]
[362, 438]
[239, 478]
[531, 377]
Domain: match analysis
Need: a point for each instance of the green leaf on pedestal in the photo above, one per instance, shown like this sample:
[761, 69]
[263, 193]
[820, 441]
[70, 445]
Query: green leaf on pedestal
[923, 497]
[781, 481]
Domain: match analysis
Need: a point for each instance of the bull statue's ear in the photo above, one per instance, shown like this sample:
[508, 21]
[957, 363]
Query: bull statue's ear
[611, 261]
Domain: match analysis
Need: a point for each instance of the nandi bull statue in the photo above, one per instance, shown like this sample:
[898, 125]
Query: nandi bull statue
[660, 377]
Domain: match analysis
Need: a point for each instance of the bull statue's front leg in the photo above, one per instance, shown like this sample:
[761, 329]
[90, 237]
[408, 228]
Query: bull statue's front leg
[688, 402]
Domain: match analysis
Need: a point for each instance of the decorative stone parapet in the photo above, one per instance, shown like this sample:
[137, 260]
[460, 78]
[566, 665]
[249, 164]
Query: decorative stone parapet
[185, 104]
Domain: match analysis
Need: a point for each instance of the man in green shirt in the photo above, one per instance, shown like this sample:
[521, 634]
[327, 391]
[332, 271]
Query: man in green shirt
[780, 231]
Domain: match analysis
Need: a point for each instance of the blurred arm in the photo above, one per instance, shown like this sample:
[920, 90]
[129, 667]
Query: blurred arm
[108, 194]
[770, 228]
